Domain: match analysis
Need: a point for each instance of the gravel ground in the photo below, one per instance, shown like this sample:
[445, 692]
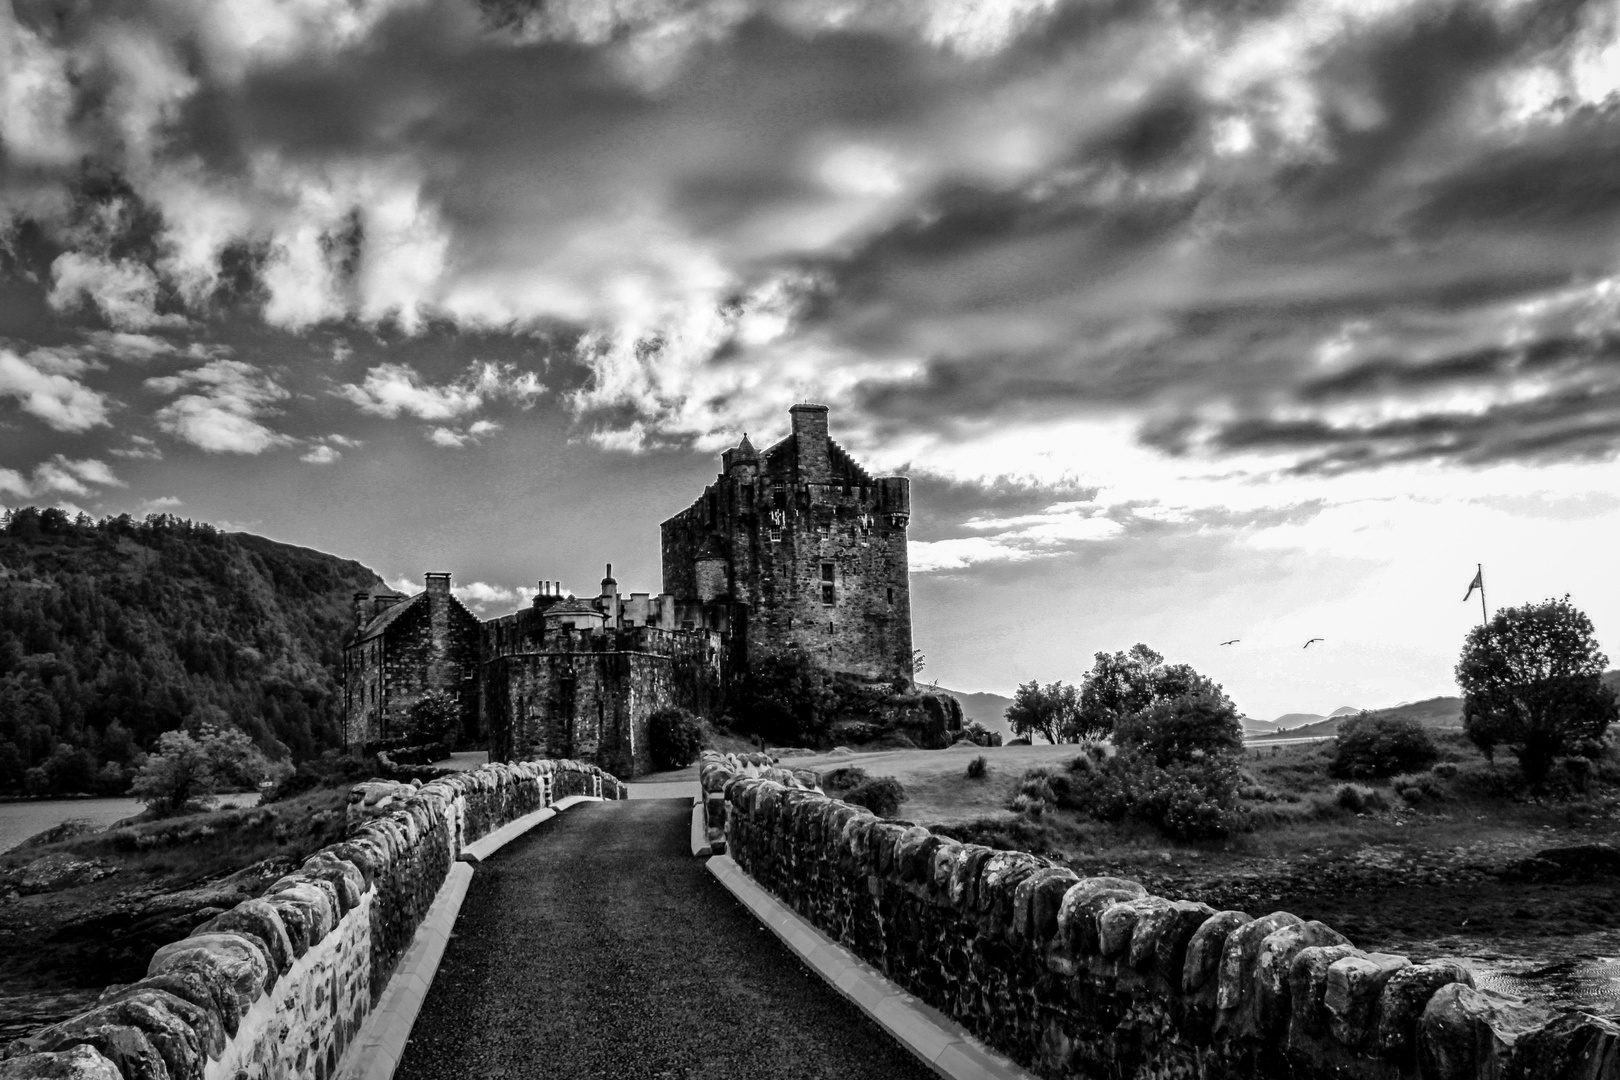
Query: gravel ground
[596, 946]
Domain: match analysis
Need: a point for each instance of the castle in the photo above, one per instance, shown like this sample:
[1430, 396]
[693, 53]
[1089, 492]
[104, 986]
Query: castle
[792, 548]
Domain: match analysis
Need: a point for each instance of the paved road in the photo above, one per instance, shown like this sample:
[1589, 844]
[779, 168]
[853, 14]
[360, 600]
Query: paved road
[596, 946]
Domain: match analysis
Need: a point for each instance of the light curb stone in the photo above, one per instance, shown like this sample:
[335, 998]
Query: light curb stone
[380, 1044]
[940, 1042]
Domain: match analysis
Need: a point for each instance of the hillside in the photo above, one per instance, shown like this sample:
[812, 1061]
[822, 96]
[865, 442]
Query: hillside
[112, 632]
[990, 710]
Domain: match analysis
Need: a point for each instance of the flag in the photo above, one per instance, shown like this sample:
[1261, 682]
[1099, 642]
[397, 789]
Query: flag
[1477, 583]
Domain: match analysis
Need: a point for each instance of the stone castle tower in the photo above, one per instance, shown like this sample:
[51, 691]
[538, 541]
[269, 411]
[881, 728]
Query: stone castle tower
[806, 548]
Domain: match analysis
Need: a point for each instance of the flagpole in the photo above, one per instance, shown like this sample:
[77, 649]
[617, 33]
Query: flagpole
[1483, 617]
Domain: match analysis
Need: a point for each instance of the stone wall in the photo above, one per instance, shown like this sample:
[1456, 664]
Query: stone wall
[277, 986]
[1092, 977]
[716, 770]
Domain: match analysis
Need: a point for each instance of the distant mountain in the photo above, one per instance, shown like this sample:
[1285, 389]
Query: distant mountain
[115, 631]
[1345, 710]
[990, 710]
[1289, 721]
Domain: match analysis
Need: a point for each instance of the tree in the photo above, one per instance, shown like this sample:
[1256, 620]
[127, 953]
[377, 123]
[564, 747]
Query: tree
[783, 697]
[175, 775]
[674, 738]
[1199, 726]
[433, 718]
[1047, 710]
[1373, 746]
[1123, 684]
[1532, 681]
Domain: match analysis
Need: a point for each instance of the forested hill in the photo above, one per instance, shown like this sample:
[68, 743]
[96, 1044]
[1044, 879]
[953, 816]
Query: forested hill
[114, 631]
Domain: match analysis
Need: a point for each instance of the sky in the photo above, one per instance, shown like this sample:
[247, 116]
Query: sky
[1190, 321]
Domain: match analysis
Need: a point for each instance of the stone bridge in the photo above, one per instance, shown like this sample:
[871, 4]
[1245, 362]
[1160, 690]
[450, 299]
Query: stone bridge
[546, 919]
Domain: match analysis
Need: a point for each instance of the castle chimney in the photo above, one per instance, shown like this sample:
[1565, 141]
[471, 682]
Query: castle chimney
[437, 584]
[362, 610]
[610, 599]
[810, 437]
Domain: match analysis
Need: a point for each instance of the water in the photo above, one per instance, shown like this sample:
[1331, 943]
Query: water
[20, 820]
[1591, 983]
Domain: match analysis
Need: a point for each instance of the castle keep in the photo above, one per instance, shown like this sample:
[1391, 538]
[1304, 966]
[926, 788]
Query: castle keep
[792, 548]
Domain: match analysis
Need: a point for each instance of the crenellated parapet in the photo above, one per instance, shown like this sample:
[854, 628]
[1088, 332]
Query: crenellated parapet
[1093, 977]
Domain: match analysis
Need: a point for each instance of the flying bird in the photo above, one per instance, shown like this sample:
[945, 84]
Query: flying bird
[1234, 641]
[1313, 641]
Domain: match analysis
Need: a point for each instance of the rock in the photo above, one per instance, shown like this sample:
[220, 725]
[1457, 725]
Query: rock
[1466, 1033]
[1206, 947]
[344, 877]
[1575, 1046]
[1354, 985]
[125, 1046]
[1277, 952]
[59, 870]
[81, 1062]
[1160, 938]
[205, 1022]
[970, 860]
[1307, 983]
[203, 985]
[245, 968]
[1035, 904]
[1236, 978]
[1085, 900]
[258, 919]
[1116, 924]
[1405, 996]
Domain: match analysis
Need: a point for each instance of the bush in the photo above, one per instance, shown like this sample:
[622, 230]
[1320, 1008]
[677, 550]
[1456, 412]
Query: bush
[176, 775]
[674, 738]
[976, 768]
[1360, 800]
[1378, 746]
[881, 794]
[1192, 727]
[1418, 788]
[843, 778]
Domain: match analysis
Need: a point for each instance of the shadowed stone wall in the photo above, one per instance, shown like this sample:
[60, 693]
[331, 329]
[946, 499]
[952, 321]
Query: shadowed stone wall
[1092, 977]
[279, 985]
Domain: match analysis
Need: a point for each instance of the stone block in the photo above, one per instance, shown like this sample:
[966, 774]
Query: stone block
[1402, 1002]
[245, 968]
[205, 985]
[81, 1062]
[1236, 981]
[1159, 940]
[1354, 985]
[1468, 1034]
[944, 861]
[205, 1021]
[125, 1046]
[964, 887]
[1574, 1046]
[1307, 983]
[1036, 902]
[1082, 903]
[1272, 961]
[261, 921]
[1116, 924]
[345, 878]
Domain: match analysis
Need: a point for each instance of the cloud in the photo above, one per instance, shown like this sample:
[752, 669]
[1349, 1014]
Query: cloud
[396, 389]
[321, 455]
[60, 475]
[134, 348]
[481, 596]
[219, 407]
[475, 432]
[164, 502]
[139, 447]
[38, 383]
[124, 291]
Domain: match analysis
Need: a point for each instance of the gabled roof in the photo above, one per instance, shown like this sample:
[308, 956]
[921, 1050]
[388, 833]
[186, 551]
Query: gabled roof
[382, 622]
[785, 452]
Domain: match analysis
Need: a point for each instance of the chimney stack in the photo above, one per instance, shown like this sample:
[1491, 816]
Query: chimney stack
[810, 435]
[362, 610]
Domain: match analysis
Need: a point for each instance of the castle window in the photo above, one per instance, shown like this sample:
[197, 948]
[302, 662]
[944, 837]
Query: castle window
[826, 571]
[779, 493]
[827, 594]
[776, 533]
[891, 594]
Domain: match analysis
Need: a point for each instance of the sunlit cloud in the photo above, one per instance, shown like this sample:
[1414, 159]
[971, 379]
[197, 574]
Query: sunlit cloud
[220, 406]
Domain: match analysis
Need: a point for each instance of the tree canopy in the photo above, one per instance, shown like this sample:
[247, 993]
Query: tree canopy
[1532, 680]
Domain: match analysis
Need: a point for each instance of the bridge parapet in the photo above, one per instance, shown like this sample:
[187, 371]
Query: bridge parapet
[1094, 977]
[715, 770]
[278, 986]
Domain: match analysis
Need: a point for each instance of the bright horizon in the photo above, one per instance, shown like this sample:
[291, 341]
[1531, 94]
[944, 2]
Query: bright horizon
[1188, 322]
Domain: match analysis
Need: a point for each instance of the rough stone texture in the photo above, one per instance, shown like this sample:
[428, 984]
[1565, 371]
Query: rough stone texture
[1466, 1033]
[82, 1062]
[810, 547]
[278, 986]
[1093, 978]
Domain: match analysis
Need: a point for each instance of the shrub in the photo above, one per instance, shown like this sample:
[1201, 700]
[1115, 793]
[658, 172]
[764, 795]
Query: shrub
[976, 768]
[881, 794]
[1191, 727]
[432, 719]
[1418, 788]
[674, 738]
[1377, 746]
[176, 774]
[1359, 800]
[843, 778]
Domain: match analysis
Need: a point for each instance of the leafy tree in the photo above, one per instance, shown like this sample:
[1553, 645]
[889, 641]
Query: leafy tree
[674, 738]
[433, 718]
[1194, 727]
[1045, 710]
[1125, 683]
[784, 697]
[1532, 681]
[176, 774]
[1375, 746]
[234, 759]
